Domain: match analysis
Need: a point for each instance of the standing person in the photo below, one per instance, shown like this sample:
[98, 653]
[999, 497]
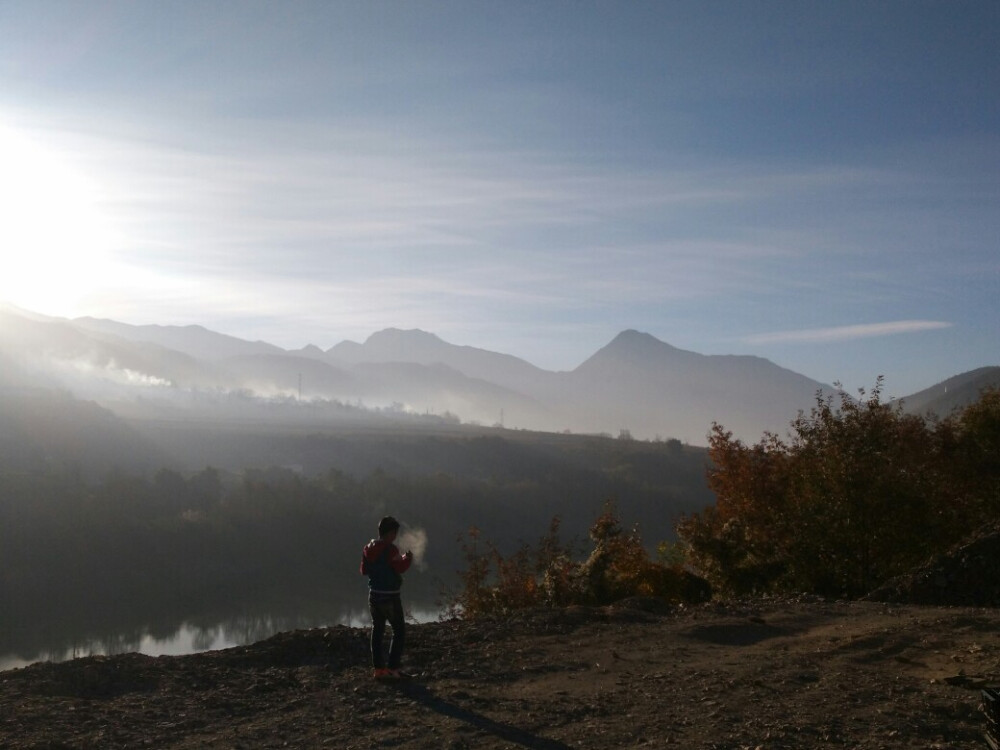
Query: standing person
[384, 566]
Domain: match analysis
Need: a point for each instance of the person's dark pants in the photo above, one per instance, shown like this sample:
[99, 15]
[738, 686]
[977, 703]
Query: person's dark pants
[387, 608]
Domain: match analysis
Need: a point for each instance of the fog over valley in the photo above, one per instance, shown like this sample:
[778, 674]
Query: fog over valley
[176, 485]
[636, 383]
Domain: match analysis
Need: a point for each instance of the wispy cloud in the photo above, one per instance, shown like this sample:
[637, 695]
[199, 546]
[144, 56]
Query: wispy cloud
[303, 192]
[846, 333]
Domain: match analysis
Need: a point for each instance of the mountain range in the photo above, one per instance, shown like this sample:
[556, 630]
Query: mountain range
[635, 385]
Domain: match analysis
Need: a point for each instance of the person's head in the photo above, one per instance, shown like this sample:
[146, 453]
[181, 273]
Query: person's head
[388, 527]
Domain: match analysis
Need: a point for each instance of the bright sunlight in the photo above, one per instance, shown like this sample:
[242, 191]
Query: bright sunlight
[54, 241]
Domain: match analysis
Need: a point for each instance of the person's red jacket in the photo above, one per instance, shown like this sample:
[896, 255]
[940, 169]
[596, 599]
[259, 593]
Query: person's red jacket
[384, 566]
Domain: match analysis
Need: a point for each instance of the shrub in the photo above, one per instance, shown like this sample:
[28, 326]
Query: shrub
[617, 567]
[857, 495]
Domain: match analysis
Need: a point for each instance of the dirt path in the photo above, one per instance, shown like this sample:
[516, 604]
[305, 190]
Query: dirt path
[798, 674]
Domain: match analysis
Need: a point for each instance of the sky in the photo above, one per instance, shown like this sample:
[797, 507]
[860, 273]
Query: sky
[815, 183]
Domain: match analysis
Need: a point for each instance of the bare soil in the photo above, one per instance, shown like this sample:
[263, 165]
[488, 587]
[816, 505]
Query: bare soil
[758, 675]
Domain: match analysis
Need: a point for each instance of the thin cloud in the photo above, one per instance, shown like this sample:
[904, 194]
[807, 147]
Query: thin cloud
[846, 333]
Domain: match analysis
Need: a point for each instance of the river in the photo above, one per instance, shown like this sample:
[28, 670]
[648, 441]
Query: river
[47, 641]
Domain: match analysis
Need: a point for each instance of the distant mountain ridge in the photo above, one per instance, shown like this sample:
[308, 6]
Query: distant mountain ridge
[636, 384]
[954, 393]
[421, 347]
[195, 341]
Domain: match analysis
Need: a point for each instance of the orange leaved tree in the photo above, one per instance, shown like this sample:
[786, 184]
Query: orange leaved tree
[849, 500]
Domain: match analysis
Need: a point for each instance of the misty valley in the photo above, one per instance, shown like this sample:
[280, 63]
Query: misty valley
[173, 488]
[219, 556]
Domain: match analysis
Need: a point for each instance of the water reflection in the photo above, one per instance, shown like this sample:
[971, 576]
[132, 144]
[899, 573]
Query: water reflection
[192, 635]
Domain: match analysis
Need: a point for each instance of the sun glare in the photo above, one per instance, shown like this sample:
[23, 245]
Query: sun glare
[54, 241]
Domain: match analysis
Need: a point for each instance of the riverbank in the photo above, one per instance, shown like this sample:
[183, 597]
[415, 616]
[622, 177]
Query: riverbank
[763, 674]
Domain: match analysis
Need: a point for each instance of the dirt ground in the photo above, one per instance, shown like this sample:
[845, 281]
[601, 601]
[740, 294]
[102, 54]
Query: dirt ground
[760, 675]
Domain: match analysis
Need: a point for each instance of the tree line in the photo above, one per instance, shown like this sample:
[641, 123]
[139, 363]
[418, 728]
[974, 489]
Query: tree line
[170, 546]
[858, 492]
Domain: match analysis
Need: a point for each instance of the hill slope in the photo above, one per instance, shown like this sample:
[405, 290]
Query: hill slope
[46, 430]
[779, 675]
[954, 393]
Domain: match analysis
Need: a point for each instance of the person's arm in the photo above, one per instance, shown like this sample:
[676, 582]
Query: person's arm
[400, 563]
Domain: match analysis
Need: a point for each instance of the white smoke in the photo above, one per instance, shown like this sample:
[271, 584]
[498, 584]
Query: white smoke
[87, 374]
[140, 378]
[413, 540]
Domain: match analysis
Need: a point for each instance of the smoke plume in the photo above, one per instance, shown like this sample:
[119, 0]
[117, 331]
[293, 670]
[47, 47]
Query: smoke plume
[413, 539]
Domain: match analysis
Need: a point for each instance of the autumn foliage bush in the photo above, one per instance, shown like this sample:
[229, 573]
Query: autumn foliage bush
[854, 496]
[618, 566]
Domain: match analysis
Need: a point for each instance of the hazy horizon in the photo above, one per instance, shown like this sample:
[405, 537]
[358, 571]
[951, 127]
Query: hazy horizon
[810, 183]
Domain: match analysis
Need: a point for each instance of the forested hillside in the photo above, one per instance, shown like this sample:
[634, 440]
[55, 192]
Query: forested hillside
[170, 546]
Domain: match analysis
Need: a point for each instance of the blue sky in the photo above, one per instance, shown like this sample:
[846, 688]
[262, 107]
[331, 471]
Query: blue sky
[815, 183]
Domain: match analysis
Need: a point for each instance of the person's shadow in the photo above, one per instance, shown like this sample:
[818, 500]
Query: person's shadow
[421, 694]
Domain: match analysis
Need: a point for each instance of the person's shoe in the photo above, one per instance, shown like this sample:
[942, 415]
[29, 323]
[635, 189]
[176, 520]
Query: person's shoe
[381, 673]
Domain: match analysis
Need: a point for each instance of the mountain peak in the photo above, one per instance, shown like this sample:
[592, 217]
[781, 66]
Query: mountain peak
[633, 345]
[392, 345]
[401, 337]
[635, 351]
[634, 338]
[412, 345]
